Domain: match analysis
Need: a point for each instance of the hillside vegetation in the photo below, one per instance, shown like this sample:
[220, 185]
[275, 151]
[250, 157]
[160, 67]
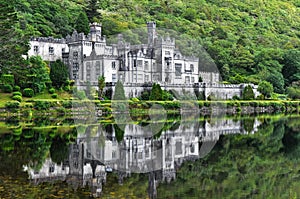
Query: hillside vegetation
[250, 41]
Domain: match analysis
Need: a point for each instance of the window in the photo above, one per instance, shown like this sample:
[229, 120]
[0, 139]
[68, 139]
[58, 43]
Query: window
[35, 49]
[146, 65]
[114, 77]
[178, 149]
[139, 63]
[187, 79]
[114, 154]
[113, 65]
[146, 78]
[168, 61]
[140, 77]
[155, 77]
[88, 71]
[51, 50]
[75, 70]
[97, 68]
[76, 66]
[192, 68]
[167, 52]
[88, 154]
[154, 67]
[75, 55]
[193, 79]
[75, 164]
[51, 168]
[178, 69]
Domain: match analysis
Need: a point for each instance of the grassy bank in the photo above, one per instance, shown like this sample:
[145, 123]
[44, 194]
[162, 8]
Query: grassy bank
[65, 104]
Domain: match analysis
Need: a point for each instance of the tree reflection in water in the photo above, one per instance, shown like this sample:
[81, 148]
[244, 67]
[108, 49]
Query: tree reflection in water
[213, 157]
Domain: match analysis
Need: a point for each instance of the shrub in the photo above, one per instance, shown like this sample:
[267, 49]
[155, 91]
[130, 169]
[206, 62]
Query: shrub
[16, 88]
[293, 92]
[7, 88]
[211, 97]
[12, 104]
[67, 88]
[145, 95]
[17, 93]
[28, 92]
[17, 98]
[28, 105]
[167, 95]
[54, 95]
[248, 93]
[236, 97]
[67, 104]
[51, 90]
[42, 105]
[8, 79]
[201, 104]
[80, 94]
[260, 97]
[134, 99]
[265, 88]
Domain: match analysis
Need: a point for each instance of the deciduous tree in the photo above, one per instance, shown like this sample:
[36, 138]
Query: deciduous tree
[265, 88]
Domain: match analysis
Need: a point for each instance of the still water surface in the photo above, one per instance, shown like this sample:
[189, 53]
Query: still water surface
[232, 157]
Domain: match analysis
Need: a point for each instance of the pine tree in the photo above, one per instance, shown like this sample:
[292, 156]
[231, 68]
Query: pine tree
[82, 24]
[119, 92]
[101, 85]
[156, 92]
[248, 93]
[58, 73]
[92, 10]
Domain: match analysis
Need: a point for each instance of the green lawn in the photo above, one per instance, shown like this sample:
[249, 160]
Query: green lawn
[4, 97]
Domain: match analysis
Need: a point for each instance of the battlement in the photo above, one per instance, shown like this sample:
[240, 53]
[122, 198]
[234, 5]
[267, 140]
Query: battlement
[166, 41]
[48, 40]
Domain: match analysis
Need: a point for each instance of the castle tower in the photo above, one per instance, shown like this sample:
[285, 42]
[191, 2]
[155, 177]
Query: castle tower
[95, 31]
[151, 27]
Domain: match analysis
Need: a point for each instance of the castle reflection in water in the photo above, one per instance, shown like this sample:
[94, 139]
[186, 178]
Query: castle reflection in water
[98, 153]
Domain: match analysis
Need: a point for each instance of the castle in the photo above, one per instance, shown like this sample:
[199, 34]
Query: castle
[89, 56]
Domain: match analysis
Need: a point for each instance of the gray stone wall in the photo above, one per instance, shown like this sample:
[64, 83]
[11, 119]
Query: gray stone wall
[218, 91]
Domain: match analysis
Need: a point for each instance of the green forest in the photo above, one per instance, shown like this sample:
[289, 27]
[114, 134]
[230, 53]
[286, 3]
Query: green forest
[250, 41]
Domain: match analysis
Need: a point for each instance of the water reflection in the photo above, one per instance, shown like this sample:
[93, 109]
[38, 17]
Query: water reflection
[102, 149]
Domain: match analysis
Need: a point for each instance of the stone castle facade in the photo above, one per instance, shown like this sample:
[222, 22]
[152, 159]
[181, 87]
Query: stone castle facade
[89, 56]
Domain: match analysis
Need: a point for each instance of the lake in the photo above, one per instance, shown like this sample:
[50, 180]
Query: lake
[177, 156]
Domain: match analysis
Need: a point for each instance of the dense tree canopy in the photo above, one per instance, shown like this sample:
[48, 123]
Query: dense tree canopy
[265, 88]
[291, 70]
[249, 40]
[13, 41]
